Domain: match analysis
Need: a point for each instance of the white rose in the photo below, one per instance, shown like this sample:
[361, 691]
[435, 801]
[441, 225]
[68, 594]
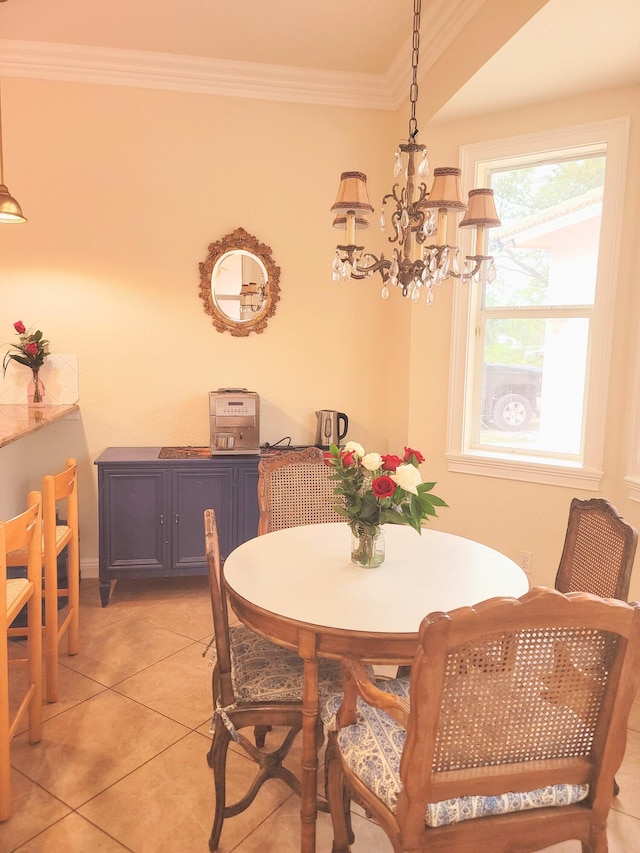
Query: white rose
[372, 461]
[407, 477]
[354, 447]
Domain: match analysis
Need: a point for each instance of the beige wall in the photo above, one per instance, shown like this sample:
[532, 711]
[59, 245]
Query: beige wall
[124, 190]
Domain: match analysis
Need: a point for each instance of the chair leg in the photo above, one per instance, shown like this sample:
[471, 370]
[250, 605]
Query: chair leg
[5, 748]
[73, 584]
[217, 761]
[260, 735]
[51, 638]
[34, 667]
[339, 804]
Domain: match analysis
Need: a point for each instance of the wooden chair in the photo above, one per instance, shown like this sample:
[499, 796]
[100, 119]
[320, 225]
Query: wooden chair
[255, 683]
[294, 488]
[516, 726]
[599, 549]
[59, 493]
[23, 531]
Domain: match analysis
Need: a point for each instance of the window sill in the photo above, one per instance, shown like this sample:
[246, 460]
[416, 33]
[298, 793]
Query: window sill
[531, 472]
[634, 487]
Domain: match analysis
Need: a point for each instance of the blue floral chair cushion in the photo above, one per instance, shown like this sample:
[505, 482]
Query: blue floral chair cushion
[264, 672]
[372, 749]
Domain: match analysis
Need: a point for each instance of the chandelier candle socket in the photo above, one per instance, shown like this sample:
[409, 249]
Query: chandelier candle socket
[423, 256]
[373, 489]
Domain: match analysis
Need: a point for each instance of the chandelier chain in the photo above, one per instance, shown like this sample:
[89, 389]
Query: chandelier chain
[415, 53]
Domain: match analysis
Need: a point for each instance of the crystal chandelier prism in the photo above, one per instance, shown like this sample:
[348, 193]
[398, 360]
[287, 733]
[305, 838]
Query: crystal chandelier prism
[422, 257]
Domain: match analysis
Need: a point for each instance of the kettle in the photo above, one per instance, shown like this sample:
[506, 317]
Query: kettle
[328, 431]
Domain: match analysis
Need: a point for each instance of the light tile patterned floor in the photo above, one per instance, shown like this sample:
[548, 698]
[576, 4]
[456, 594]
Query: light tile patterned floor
[122, 767]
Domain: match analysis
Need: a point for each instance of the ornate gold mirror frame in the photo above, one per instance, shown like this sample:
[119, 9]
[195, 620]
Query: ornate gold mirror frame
[239, 284]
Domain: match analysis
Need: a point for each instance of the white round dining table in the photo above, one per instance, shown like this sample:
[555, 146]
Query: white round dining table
[299, 588]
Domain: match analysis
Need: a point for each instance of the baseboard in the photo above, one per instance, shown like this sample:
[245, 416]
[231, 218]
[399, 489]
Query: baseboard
[90, 568]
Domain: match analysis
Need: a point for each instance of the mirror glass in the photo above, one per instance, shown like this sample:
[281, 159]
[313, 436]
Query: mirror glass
[239, 283]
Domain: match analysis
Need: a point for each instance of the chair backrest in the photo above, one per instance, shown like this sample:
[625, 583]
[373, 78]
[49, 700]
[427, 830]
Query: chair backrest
[23, 533]
[294, 488]
[516, 695]
[218, 609]
[599, 549]
[60, 487]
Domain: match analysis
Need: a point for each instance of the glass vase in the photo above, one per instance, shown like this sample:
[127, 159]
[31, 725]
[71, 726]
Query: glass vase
[35, 390]
[367, 547]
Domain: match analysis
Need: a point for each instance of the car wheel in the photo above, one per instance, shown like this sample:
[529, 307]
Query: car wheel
[512, 412]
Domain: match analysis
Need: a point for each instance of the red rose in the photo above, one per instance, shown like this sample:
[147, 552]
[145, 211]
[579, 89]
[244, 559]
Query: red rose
[409, 452]
[383, 487]
[390, 463]
[347, 459]
[19, 327]
[31, 348]
[328, 458]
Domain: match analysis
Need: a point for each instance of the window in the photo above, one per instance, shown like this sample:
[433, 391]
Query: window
[531, 347]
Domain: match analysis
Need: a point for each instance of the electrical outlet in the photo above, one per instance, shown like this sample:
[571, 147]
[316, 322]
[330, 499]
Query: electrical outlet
[526, 558]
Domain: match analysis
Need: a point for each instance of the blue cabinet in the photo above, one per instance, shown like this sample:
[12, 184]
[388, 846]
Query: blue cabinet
[150, 511]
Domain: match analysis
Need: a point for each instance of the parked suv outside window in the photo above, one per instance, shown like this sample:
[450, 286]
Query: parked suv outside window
[510, 395]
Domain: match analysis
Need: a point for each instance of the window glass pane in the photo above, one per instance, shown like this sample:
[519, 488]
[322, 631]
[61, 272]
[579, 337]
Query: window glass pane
[546, 250]
[533, 384]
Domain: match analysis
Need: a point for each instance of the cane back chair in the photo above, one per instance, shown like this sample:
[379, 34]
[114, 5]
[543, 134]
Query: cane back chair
[255, 684]
[515, 725]
[599, 549]
[294, 488]
[25, 532]
[59, 496]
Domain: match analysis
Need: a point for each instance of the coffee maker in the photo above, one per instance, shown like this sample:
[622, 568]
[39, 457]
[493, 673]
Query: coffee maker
[234, 420]
[329, 430]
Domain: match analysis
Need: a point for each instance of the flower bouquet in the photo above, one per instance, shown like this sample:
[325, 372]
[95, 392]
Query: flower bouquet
[31, 350]
[375, 489]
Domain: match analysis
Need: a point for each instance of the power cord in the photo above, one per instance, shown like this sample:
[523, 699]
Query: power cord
[267, 446]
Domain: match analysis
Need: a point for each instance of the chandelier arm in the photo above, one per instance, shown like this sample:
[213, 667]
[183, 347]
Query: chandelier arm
[378, 264]
[392, 195]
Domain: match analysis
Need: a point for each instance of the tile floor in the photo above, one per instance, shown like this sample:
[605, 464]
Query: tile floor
[122, 767]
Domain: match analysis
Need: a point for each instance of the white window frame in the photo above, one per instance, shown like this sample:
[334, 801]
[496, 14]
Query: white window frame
[633, 478]
[505, 464]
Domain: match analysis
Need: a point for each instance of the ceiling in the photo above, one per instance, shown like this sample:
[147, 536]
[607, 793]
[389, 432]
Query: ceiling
[351, 52]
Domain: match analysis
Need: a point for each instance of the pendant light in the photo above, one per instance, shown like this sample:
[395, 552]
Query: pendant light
[10, 211]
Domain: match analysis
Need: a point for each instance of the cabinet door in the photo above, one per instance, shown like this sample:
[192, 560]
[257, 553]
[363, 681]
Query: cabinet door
[194, 490]
[246, 509]
[134, 529]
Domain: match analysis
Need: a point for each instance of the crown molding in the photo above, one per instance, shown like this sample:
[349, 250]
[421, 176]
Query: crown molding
[230, 78]
[178, 73]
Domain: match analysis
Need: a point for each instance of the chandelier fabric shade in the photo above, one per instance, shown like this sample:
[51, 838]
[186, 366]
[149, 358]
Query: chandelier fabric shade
[359, 222]
[481, 214]
[481, 210]
[419, 219]
[446, 190]
[352, 194]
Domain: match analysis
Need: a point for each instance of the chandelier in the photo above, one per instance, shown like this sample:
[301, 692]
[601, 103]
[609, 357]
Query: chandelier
[252, 297]
[422, 257]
